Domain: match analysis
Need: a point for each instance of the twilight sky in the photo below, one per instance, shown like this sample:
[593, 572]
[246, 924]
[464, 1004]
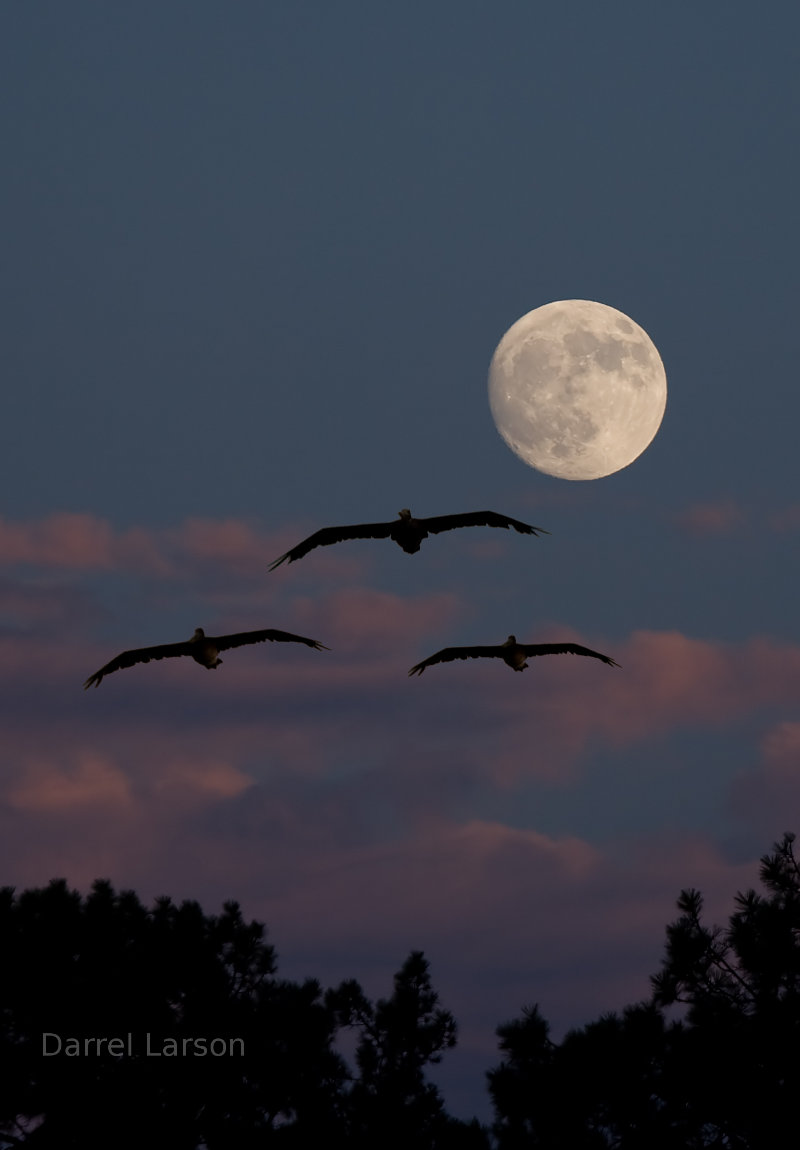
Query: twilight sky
[255, 261]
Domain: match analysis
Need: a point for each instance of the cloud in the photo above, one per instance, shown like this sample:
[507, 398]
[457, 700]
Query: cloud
[507, 914]
[785, 518]
[667, 681]
[187, 779]
[722, 517]
[43, 607]
[48, 787]
[726, 517]
[766, 797]
[246, 550]
[677, 680]
[460, 726]
[78, 542]
[363, 619]
[82, 542]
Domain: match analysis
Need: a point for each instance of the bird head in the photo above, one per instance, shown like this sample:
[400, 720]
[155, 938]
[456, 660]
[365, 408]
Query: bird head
[405, 513]
[199, 633]
[510, 641]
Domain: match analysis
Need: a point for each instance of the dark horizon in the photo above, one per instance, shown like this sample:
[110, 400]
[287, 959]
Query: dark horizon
[204, 1039]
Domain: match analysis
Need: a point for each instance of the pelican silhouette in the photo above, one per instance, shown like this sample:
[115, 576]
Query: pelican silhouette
[204, 649]
[406, 531]
[514, 654]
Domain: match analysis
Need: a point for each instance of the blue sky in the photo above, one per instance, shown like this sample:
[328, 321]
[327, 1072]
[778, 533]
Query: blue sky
[255, 262]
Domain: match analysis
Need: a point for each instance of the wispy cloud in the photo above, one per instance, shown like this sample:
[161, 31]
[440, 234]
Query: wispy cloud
[767, 795]
[93, 781]
[81, 542]
[538, 724]
[785, 518]
[722, 517]
[496, 724]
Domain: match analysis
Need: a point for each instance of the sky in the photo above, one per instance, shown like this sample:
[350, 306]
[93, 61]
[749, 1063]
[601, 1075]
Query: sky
[255, 260]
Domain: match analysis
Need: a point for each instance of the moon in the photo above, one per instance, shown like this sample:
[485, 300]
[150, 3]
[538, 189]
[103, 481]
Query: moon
[577, 389]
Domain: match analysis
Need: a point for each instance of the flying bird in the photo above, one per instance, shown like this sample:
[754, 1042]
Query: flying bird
[511, 652]
[406, 531]
[204, 649]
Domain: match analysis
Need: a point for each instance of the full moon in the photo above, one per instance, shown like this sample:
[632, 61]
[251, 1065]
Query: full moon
[577, 389]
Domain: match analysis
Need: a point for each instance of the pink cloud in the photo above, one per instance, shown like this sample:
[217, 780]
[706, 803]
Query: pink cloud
[64, 540]
[507, 915]
[79, 542]
[786, 518]
[92, 782]
[767, 796]
[713, 518]
[186, 779]
[42, 607]
[500, 726]
[245, 549]
[54, 782]
[86, 543]
[360, 618]
[782, 750]
[675, 680]
[666, 681]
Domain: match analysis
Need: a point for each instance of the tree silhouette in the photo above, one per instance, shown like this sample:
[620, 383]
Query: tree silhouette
[390, 1104]
[107, 967]
[740, 987]
[598, 1088]
[726, 1074]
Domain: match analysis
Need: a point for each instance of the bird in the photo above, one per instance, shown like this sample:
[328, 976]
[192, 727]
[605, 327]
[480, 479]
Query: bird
[406, 531]
[514, 654]
[204, 649]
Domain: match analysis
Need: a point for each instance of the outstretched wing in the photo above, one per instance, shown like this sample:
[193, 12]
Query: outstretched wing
[449, 653]
[142, 655]
[225, 642]
[532, 649]
[330, 535]
[478, 519]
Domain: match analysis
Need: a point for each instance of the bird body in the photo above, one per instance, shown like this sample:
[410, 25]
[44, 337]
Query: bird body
[406, 531]
[513, 654]
[204, 649]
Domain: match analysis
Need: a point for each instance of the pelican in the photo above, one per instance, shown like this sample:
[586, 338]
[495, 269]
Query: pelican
[204, 649]
[514, 654]
[406, 531]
